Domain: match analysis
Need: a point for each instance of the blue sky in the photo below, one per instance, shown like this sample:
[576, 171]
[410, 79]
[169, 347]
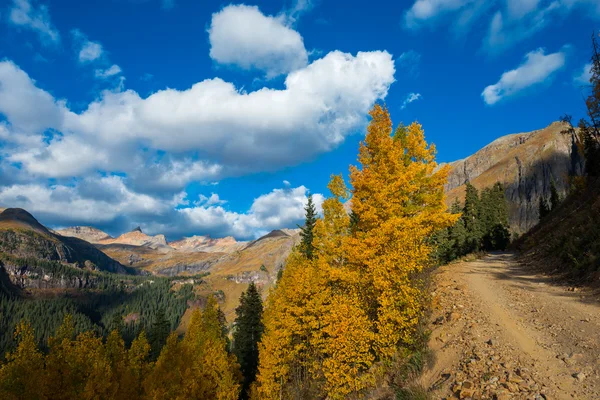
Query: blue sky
[190, 117]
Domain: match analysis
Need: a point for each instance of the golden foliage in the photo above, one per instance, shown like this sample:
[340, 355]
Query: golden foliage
[330, 319]
[198, 367]
[83, 367]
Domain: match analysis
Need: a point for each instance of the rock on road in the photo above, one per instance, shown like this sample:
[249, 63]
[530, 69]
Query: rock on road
[500, 331]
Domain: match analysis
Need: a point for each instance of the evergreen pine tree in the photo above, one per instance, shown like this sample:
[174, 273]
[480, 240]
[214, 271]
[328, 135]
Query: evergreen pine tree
[159, 332]
[543, 207]
[307, 234]
[247, 334]
[471, 215]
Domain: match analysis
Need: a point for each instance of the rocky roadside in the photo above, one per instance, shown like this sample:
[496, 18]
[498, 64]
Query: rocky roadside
[498, 333]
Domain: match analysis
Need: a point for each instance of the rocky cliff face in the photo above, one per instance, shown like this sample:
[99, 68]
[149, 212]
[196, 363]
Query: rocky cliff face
[138, 238]
[207, 244]
[29, 277]
[525, 163]
[87, 233]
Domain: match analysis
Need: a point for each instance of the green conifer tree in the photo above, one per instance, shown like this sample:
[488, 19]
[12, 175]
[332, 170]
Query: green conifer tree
[159, 332]
[543, 207]
[247, 334]
[306, 245]
[471, 218]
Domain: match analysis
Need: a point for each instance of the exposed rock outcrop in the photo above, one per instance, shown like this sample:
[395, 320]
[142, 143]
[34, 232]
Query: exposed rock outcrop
[138, 238]
[87, 233]
[207, 244]
[525, 163]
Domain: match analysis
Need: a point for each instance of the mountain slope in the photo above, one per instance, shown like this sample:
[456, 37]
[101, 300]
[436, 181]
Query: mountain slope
[22, 236]
[525, 163]
[87, 233]
[567, 241]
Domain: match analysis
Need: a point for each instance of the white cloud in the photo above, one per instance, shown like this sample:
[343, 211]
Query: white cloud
[410, 98]
[24, 13]
[126, 159]
[298, 8]
[282, 208]
[28, 108]
[424, 11]
[107, 73]
[510, 21]
[199, 128]
[537, 68]
[584, 76]
[90, 51]
[108, 201]
[242, 36]
[210, 201]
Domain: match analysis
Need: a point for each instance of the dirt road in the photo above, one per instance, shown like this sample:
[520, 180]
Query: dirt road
[500, 331]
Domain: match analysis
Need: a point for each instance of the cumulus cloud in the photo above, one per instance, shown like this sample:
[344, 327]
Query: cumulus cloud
[242, 36]
[109, 202]
[125, 159]
[28, 108]
[27, 14]
[275, 210]
[584, 76]
[320, 105]
[410, 98]
[537, 68]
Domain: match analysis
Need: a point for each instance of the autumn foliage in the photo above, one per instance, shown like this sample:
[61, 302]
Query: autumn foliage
[336, 320]
[86, 367]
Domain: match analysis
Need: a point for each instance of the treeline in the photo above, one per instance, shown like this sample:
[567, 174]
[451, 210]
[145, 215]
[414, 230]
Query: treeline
[483, 225]
[131, 304]
[80, 364]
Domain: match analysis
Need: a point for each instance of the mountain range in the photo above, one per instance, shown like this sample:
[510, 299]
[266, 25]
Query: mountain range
[525, 163]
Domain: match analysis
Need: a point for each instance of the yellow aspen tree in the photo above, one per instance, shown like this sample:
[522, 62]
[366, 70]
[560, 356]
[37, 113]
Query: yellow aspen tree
[215, 372]
[60, 380]
[137, 368]
[167, 378]
[317, 338]
[292, 315]
[199, 367]
[398, 200]
[23, 366]
[116, 358]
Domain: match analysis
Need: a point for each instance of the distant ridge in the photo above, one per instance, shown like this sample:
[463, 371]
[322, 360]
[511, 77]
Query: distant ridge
[18, 217]
[22, 236]
[87, 233]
